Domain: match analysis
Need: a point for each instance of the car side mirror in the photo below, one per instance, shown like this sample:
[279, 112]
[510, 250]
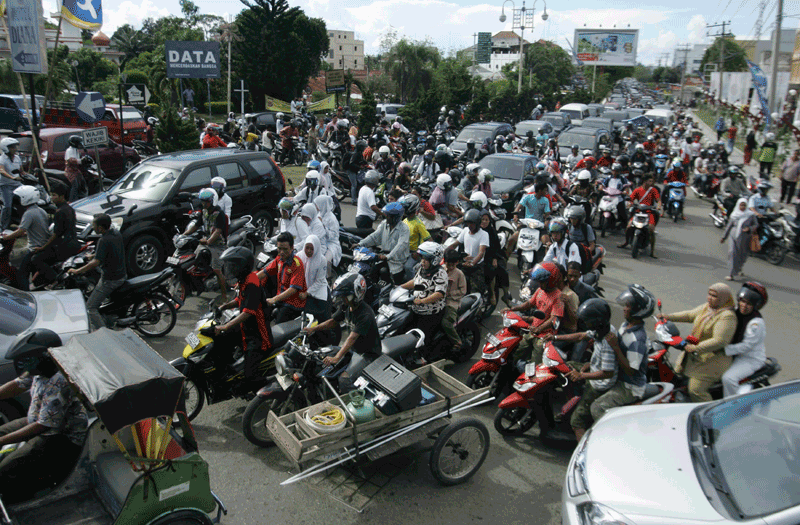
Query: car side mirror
[183, 196]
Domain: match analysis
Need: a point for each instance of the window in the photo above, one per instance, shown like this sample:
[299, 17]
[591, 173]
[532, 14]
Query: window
[234, 175]
[263, 171]
[108, 115]
[355, 48]
[340, 48]
[355, 63]
[61, 143]
[196, 180]
[330, 53]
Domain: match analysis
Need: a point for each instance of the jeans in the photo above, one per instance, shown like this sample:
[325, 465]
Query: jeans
[408, 268]
[363, 221]
[24, 271]
[103, 289]
[765, 170]
[8, 202]
[78, 189]
[353, 176]
[787, 190]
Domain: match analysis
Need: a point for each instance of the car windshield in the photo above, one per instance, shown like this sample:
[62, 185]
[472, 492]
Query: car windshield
[573, 113]
[555, 120]
[129, 115]
[583, 141]
[17, 311]
[596, 124]
[524, 127]
[504, 166]
[756, 439]
[478, 135]
[147, 182]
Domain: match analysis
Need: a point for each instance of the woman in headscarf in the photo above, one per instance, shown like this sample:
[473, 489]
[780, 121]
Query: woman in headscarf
[714, 324]
[747, 347]
[315, 266]
[292, 223]
[741, 224]
[309, 215]
[495, 267]
[324, 204]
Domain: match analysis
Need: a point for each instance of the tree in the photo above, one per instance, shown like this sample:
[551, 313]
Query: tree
[550, 65]
[410, 65]
[668, 75]
[734, 57]
[92, 67]
[278, 50]
[128, 41]
[174, 133]
[643, 73]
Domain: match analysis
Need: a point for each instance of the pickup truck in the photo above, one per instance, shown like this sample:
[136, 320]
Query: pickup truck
[133, 124]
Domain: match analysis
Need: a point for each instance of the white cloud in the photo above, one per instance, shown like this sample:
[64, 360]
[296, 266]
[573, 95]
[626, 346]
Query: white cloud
[651, 49]
[697, 29]
[133, 13]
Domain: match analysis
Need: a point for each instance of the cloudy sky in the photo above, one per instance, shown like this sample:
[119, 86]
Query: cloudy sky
[450, 25]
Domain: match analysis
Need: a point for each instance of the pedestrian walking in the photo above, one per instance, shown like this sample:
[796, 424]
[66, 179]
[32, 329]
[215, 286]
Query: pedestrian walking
[720, 128]
[789, 170]
[767, 156]
[741, 225]
[732, 132]
[749, 146]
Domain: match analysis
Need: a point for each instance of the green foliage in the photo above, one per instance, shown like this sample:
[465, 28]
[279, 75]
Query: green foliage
[218, 107]
[276, 49]
[734, 56]
[175, 134]
[643, 73]
[92, 67]
[411, 64]
[669, 75]
[135, 76]
[367, 109]
[8, 79]
[550, 65]
[316, 96]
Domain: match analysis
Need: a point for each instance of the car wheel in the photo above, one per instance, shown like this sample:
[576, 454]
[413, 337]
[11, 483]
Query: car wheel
[145, 255]
[263, 221]
[129, 164]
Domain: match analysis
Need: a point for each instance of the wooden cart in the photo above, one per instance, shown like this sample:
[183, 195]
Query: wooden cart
[459, 450]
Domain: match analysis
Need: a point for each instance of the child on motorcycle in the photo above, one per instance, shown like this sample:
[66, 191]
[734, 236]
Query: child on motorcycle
[456, 289]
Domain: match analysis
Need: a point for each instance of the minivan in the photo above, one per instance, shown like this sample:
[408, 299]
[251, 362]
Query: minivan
[479, 132]
[662, 117]
[576, 112]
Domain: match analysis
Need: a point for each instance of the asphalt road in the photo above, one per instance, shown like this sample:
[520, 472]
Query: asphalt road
[521, 480]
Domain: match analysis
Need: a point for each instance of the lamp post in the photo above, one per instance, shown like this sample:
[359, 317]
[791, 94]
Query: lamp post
[521, 18]
[77, 77]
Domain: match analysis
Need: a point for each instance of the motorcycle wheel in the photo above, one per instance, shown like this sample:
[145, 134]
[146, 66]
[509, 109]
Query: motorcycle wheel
[155, 315]
[193, 397]
[602, 226]
[298, 158]
[514, 421]
[482, 380]
[254, 419]
[184, 517]
[470, 339]
[718, 213]
[775, 254]
[177, 289]
[341, 192]
[488, 309]
[459, 451]
[635, 244]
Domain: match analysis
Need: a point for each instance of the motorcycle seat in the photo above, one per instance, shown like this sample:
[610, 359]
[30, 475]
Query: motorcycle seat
[237, 224]
[397, 346]
[282, 333]
[360, 232]
[650, 390]
[144, 281]
[466, 303]
[770, 368]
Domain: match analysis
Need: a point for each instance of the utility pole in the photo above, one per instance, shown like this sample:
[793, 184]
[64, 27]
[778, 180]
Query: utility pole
[774, 104]
[664, 57]
[723, 34]
[684, 48]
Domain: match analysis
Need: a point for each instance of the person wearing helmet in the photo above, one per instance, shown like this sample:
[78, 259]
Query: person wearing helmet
[760, 203]
[674, 141]
[73, 170]
[33, 224]
[441, 125]
[605, 160]
[574, 157]
[646, 195]
[211, 139]
[10, 170]
[469, 181]
[475, 242]
[367, 206]
[469, 154]
[641, 156]
[677, 174]
[444, 199]
[537, 112]
[714, 325]
[734, 187]
[766, 156]
[292, 223]
[583, 234]
[223, 200]
[583, 187]
[617, 182]
[444, 159]
[551, 152]
[215, 227]
[286, 134]
[238, 266]
[393, 238]
[50, 437]
[287, 268]
[312, 188]
[428, 169]
[588, 162]
[418, 234]
[561, 250]
[649, 145]
[484, 185]
[429, 287]
[478, 201]
[385, 165]
[404, 175]
[747, 346]
[354, 163]
[109, 257]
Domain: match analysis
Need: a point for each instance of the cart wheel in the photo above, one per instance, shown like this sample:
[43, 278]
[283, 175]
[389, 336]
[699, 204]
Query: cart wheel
[194, 398]
[184, 517]
[254, 419]
[459, 451]
[514, 421]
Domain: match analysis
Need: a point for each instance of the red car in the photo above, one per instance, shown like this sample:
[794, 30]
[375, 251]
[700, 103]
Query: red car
[53, 142]
[133, 122]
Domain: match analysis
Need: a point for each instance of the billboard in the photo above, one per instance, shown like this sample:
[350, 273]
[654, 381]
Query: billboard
[192, 59]
[334, 81]
[483, 53]
[606, 47]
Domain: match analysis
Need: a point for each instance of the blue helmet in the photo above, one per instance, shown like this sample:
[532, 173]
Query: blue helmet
[313, 165]
[394, 212]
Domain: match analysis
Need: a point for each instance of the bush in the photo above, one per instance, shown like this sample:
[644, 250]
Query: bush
[137, 77]
[217, 108]
[175, 134]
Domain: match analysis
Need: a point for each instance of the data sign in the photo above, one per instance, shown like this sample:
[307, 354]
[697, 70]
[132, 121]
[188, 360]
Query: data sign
[192, 59]
[483, 52]
[26, 30]
[606, 47]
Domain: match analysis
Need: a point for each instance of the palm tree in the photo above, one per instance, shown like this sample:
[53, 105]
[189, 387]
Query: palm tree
[409, 64]
[129, 41]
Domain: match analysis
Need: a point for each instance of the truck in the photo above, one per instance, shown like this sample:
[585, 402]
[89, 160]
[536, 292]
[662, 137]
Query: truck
[133, 125]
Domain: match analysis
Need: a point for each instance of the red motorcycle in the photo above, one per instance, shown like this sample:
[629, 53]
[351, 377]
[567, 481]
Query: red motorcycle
[544, 394]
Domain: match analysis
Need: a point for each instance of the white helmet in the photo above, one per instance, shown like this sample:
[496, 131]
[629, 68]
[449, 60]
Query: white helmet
[232, 145]
[585, 175]
[770, 136]
[479, 200]
[7, 143]
[538, 106]
[279, 115]
[484, 175]
[220, 181]
[588, 153]
[432, 251]
[345, 121]
[444, 181]
[384, 149]
[639, 147]
[472, 167]
[676, 134]
[27, 195]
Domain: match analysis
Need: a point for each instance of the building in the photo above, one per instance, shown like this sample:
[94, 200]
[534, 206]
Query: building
[760, 51]
[345, 52]
[505, 50]
[693, 58]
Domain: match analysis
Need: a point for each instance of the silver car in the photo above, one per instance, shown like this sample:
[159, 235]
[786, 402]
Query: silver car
[730, 461]
[63, 312]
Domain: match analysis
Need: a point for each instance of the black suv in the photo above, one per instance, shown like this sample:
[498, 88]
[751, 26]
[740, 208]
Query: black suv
[479, 132]
[149, 203]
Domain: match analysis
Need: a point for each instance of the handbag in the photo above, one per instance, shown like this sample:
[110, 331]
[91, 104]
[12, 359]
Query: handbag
[755, 243]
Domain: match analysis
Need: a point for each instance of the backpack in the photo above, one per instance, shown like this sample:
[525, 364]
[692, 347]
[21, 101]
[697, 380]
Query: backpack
[586, 255]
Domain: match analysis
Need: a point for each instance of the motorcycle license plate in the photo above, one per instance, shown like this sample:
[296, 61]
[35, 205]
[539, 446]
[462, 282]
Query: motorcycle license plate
[385, 310]
[173, 260]
[494, 341]
[192, 340]
[284, 381]
[262, 257]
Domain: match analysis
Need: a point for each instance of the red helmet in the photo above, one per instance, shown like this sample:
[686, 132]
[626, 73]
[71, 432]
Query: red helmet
[754, 293]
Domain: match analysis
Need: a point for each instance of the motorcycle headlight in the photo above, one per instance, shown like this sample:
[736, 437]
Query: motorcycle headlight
[494, 355]
[596, 514]
[281, 364]
[550, 363]
[576, 474]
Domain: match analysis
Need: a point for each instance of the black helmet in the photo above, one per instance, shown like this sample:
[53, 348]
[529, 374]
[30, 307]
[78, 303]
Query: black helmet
[624, 160]
[351, 285]
[754, 293]
[640, 300]
[237, 263]
[76, 141]
[29, 354]
[529, 133]
[361, 145]
[472, 216]
[420, 148]
[595, 314]
[439, 156]
[470, 143]
[455, 174]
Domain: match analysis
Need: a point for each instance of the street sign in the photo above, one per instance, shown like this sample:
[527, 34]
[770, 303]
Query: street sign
[95, 137]
[192, 59]
[334, 81]
[26, 29]
[90, 106]
[483, 53]
[137, 94]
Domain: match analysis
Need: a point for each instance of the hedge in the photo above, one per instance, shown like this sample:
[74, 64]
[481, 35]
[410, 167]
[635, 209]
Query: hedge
[217, 107]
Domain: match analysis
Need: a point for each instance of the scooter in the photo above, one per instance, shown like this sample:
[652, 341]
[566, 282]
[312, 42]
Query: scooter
[608, 210]
[641, 225]
[771, 233]
[529, 245]
[376, 273]
[544, 394]
[675, 198]
[660, 162]
[395, 318]
[791, 228]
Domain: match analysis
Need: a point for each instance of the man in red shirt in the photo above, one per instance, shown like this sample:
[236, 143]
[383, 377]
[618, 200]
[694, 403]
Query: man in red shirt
[586, 163]
[606, 160]
[287, 133]
[646, 195]
[212, 140]
[288, 268]
[238, 265]
[547, 299]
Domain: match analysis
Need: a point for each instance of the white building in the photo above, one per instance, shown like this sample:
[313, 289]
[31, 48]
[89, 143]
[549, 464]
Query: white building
[345, 52]
[505, 50]
[693, 58]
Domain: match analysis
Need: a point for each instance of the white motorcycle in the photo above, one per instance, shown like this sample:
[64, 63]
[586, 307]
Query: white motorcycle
[608, 210]
[529, 245]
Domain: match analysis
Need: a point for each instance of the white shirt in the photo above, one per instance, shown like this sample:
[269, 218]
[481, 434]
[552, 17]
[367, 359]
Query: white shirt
[752, 345]
[298, 228]
[563, 253]
[472, 243]
[225, 203]
[366, 199]
[700, 164]
[572, 160]
[72, 153]
[694, 149]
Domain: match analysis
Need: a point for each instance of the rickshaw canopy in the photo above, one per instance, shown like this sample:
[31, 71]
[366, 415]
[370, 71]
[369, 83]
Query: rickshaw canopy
[123, 379]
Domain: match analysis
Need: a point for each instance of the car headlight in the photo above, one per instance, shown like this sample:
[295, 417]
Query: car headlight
[597, 514]
[117, 222]
[576, 475]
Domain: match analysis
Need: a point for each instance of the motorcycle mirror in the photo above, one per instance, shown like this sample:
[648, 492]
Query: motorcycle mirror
[133, 209]
[659, 305]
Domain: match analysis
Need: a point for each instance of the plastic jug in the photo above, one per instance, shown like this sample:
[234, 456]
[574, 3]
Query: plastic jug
[361, 408]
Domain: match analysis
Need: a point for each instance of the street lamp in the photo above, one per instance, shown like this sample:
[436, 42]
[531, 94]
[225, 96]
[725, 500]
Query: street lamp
[522, 18]
[77, 78]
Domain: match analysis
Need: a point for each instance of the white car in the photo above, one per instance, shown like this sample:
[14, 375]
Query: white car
[731, 461]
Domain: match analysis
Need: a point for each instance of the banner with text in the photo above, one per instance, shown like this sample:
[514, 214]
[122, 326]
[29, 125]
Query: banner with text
[192, 59]
[326, 104]
[273, 104]
[760, 83]
[606, 47]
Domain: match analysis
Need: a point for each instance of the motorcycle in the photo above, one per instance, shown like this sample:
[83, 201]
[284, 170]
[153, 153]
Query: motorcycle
[791, 228]
[608, 210]
[641, 226]
[144, 149]
[214, 364]
[376, 273]
[395, 318]
[544, 394]
[719, 213]
[675, 198]
[660, 169]
[529, 245]
[332, 153]
[298, 382]
[771, 233]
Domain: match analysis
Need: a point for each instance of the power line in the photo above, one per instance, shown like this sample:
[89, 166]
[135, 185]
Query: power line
[723, 34]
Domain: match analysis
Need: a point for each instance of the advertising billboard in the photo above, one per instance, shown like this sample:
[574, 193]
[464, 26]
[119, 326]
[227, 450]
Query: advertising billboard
[606, 47]
[192, 59]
